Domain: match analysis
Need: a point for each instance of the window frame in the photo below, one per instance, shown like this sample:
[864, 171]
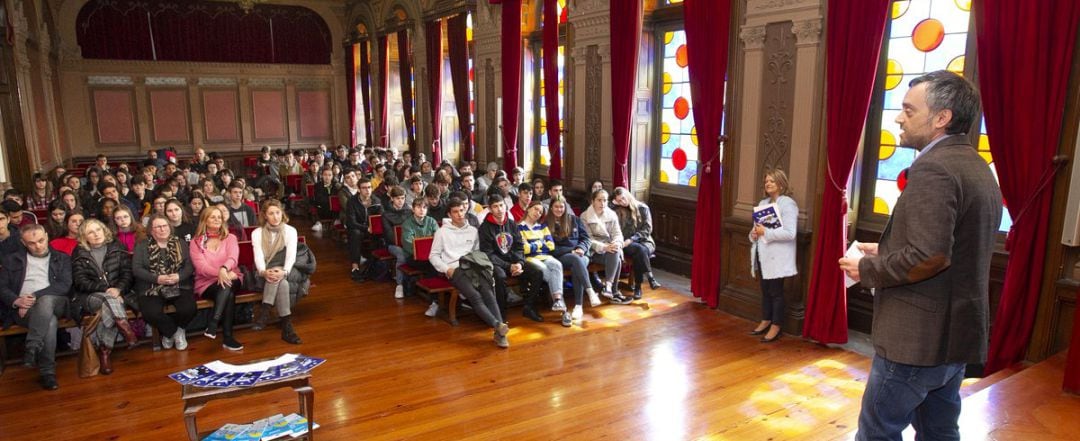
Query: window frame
[535, 46]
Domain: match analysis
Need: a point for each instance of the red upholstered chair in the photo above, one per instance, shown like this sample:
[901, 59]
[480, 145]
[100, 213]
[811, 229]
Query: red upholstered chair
[247, 232]
[439, 285]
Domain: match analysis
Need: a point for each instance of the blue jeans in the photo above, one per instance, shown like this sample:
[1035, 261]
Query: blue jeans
[399, 254]
[927, 397]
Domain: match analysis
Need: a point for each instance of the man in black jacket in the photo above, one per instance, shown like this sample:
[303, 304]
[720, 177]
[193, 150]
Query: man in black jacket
[37, 284]
[357, 211]
[501, 241]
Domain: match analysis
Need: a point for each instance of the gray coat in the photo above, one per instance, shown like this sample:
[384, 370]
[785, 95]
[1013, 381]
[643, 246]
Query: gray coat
[932, 271]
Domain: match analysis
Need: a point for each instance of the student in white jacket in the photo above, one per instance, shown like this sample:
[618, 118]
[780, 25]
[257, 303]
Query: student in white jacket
[606, 244]
[773, 253]
[452, 241]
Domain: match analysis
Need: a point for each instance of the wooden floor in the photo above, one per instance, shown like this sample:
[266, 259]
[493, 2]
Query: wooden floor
[666, 368]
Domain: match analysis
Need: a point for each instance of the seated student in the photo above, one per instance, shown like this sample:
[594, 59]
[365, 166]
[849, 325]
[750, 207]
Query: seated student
[454, 242]
[214, 254]
[274, 247]
[9, 240]
[16, 214]
[471, 208]
[555, 191]
[635, 220]
[524, 198]
[55, 226]
[348, 190]
[437, 208]
[414, 190]
[230, 222]
[468, 186]
[37, 284]
[179, 220]
[111, 191]
[127, 231]
[163, 276]
[488, 178]
[419, 225]
[395, 214]
[67, 243]
[101, 277]
[42, 194]
[538, 191]
[501, 240]
[607, 243]
[242, 212]
[195, 207]
[325, 189]
[572, 249]
[138, 196]
[538, 246]
[357, 224]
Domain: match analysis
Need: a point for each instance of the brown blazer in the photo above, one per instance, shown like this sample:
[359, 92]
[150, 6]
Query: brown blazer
[932, 271]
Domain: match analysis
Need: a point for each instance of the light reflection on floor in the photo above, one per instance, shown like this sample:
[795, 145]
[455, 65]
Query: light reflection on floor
[668, 384]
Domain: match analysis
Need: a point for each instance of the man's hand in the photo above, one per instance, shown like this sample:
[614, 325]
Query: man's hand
[516, 269]
[851, 266]
[113, 292]
[450, 273]
[869, 249]
[579, 251]
[25, 301]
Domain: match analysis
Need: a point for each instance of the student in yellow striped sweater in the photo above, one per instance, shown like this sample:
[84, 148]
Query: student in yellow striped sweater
[538, 247]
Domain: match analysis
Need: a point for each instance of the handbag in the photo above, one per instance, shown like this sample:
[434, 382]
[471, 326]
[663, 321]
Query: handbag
[89, 364]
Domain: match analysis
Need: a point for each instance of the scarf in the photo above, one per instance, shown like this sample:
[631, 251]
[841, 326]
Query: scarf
[165, 260]
[273, 241]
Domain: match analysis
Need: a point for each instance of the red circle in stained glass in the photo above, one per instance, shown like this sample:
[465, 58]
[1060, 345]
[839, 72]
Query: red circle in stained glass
[901, 180]
[681, 57]
[678, 159]
[928, 35]
[682, 108]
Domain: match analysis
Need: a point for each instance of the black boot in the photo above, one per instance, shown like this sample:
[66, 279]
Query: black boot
[530, 313]
[653, 283]
[287, 332]
[262, 312]
[637, 291]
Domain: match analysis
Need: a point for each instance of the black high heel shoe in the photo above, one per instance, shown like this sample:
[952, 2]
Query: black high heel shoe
[774, 338]
[760, 331]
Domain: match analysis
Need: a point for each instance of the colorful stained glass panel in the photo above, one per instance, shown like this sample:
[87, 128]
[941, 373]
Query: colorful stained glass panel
[678, 137]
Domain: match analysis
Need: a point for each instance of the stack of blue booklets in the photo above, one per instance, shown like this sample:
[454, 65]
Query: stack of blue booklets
[266, 429]
[221, 374]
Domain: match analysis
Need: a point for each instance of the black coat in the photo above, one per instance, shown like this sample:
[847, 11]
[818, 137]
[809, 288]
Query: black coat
[13, 274]
[501, 243]
[145, 279]
[578, 238]
[114, 272]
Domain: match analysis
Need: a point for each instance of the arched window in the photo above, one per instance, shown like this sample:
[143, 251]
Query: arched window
[535, 132]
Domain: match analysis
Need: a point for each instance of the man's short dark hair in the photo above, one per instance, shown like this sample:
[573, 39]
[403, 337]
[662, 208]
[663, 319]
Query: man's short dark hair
[235, 185]
[495, 198]
[947, 90]
[454, 203]
[419, 202]
[431, 191]
[396, 192]
[525, 187]
[10, 206]
[554, 183]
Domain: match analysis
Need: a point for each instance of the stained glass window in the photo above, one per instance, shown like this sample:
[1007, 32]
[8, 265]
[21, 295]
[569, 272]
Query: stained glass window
[545, 154]
[451, 133]
[925, 36]
[672, 2]
[678, 136]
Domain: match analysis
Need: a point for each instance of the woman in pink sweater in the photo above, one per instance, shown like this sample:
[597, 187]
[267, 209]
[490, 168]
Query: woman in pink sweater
[214, 254]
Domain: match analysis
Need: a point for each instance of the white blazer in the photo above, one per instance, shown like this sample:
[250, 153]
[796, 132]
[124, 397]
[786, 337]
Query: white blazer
[776, 248]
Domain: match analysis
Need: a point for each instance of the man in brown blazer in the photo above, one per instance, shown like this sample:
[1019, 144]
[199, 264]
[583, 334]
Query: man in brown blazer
[931, 269]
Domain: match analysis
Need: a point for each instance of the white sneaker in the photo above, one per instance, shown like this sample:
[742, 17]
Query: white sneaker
[576, 315]
[432, 310]
[317, 226]
[181, 339]
[607, 291]
[558, 305]
[594, 298]
[399, 292]
[166, 342]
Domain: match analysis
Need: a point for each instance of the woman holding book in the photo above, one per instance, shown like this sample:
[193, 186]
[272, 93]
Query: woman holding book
[773, 252]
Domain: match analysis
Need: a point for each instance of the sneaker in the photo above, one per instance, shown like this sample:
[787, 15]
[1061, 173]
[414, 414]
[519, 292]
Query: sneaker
[48, 382]
[594, 298]
[356, 274]
[181, 339]
[566, 320]
[432, 310]
[399, 292]
[618, 299]
[559, 305]
[166, 342]
[501, 340]
[502, 329]
[316, 227]
[607, 292]
[231, 344]
[577, 314]
[211, 330]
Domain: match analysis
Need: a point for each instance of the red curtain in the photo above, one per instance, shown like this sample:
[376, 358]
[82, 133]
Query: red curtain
[201, 31]
[551, 84]
[384, 88]
[511, 80]
[365, 89]
[405, 68]
[350, 89]
[433, 31]
[625, 42]
[1029, 44]
[459, 73]
[707, 31]
[853, 45]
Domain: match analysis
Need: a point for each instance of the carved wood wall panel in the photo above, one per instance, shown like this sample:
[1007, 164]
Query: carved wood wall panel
[16, 156]
[673, 231]
[594, 93]
[778, 96]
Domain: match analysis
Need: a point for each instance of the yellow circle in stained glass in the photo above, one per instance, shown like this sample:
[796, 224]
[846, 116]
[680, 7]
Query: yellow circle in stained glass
[928, 35]
[964, 5]
[888, 145]
[693, 181]
[984, 143]
[667, 83]
[956, 66]
[668, 36]
[693, 135]
[880, 206]
[899, 8]
[665, 133]
[663, 176]
[894, 74]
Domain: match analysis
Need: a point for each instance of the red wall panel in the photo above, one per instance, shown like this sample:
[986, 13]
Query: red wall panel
[169, 116]
[314, 114]
[114, 116]
[268, 108]
[220, 115]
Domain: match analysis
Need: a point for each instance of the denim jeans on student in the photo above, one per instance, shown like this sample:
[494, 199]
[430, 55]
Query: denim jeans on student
[927, 397]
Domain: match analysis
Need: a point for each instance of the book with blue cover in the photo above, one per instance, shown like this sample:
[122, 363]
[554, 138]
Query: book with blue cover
[768, 216]
[222, 375]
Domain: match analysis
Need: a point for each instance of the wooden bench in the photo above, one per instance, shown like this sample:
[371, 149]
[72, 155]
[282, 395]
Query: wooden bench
[64, 323]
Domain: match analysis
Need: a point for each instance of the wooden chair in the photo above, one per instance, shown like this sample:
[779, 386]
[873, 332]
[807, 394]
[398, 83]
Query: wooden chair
[439, 285]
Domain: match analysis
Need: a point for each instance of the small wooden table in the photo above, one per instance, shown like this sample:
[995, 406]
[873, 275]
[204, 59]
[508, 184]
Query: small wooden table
[195, 398]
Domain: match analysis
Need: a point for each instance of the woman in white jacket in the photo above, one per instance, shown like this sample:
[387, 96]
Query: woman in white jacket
[607, 243]
[274, 247]
[773, 253]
